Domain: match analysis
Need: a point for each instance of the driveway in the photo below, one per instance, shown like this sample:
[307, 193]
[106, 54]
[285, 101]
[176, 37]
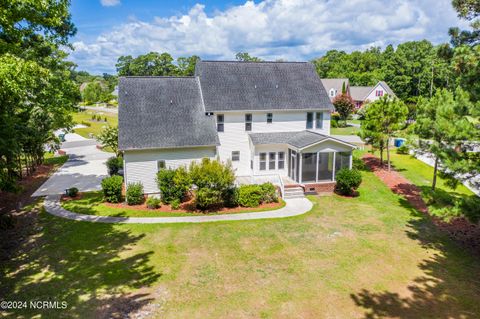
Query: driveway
[84, 169]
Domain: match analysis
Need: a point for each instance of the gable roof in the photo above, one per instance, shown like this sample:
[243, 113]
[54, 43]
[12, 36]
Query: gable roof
[360, 93]
[336, 84]
[248, 86]
[163, 112]
[299, 139]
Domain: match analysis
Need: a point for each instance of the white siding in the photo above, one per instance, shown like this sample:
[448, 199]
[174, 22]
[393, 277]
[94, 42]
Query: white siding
[235, 138]
[372, 96]
[141, 165]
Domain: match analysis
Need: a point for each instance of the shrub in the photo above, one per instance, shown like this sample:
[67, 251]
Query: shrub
[347, 181]
[269, 193]
[175, 203]
[402, 149]
[173, 184]
[230, 197]
[135, 194]
[206, 197]
[212, 174]
[153, 202]
[114, 164]
[112, 188]
[250, 195]
[72, 191]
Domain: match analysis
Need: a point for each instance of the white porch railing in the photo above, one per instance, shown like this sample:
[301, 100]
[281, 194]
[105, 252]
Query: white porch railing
[260, 179]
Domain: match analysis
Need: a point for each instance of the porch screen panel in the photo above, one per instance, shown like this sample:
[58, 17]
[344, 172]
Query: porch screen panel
[342, 160]
[325, 166]
[309, 167]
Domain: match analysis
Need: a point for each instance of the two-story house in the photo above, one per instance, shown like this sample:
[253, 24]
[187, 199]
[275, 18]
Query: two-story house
[270, 119]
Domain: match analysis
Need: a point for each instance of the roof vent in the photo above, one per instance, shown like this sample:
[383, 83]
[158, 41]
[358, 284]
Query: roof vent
[171, 101]
[255, 86]
[276, 86]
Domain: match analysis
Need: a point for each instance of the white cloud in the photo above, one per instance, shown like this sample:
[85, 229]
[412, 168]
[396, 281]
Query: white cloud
[110, 3]
[272, 29]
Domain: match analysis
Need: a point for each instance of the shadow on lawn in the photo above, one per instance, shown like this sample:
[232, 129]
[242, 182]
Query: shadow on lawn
[88, 265]
[449, 287]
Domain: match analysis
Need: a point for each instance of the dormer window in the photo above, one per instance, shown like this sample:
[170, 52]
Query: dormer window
[248, 122]
[220, 123]
[269, 118]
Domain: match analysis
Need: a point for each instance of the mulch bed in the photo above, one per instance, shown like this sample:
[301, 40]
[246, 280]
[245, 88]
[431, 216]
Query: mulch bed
[459, 229]
[189, 207]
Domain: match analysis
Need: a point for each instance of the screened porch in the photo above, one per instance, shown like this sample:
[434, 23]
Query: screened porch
[316, 167]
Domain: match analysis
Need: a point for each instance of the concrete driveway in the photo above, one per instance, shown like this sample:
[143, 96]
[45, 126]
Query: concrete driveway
[84, 169]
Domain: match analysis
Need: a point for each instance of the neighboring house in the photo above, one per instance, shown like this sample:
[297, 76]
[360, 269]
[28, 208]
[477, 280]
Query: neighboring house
[334, 87]
[270, 119]
[365, 94]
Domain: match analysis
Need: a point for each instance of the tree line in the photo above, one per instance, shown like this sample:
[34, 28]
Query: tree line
[36, 89]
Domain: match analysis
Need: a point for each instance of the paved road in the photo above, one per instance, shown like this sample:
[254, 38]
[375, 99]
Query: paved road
[84, 169]
[293, 207]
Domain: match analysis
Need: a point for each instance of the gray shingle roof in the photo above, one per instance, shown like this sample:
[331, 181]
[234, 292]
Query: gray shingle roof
[230, 86]
[163, 112]
[360, 93]
[299, 139]
[336, 84]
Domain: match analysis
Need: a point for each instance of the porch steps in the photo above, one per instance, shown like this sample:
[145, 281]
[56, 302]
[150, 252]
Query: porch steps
[294, 192]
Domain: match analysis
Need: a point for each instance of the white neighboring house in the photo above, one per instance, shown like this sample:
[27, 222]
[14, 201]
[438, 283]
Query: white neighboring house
[335, 87]
[270, 119]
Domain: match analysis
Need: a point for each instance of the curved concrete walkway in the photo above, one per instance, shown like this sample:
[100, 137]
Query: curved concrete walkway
[293, 207]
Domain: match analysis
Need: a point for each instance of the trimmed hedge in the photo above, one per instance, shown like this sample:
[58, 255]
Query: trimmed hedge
[135, 194]
[72, 192]
[153, 202]
[206, 197]
[112, 188]
[348, 180]
[173, 184]
[269, 193]
[250, 195]
[114, 164]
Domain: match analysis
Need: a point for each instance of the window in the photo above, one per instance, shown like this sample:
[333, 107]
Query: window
[220, 123]
[263, 161]
[332, 92]
[378, 93]
[248, 122]
[319, 120]
[281, 160]
[272, 160]
[309, 120]
[269, 118]
[161, 165]
[235, 156]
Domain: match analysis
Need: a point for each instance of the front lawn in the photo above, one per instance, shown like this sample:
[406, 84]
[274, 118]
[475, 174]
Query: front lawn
[369, 256]
[93, 204]
[349, 130]
[95, 127]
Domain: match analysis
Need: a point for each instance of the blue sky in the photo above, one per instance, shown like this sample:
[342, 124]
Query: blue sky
[271, 29]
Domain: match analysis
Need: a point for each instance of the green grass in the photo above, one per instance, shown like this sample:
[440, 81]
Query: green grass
[421, 174]
[95, 127]
[349, 130]
[444, 202]
[51, 159]
[92, 204]
[370, 256]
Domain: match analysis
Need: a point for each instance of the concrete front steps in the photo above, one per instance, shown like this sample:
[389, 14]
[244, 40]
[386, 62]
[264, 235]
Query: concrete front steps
[294, 192]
